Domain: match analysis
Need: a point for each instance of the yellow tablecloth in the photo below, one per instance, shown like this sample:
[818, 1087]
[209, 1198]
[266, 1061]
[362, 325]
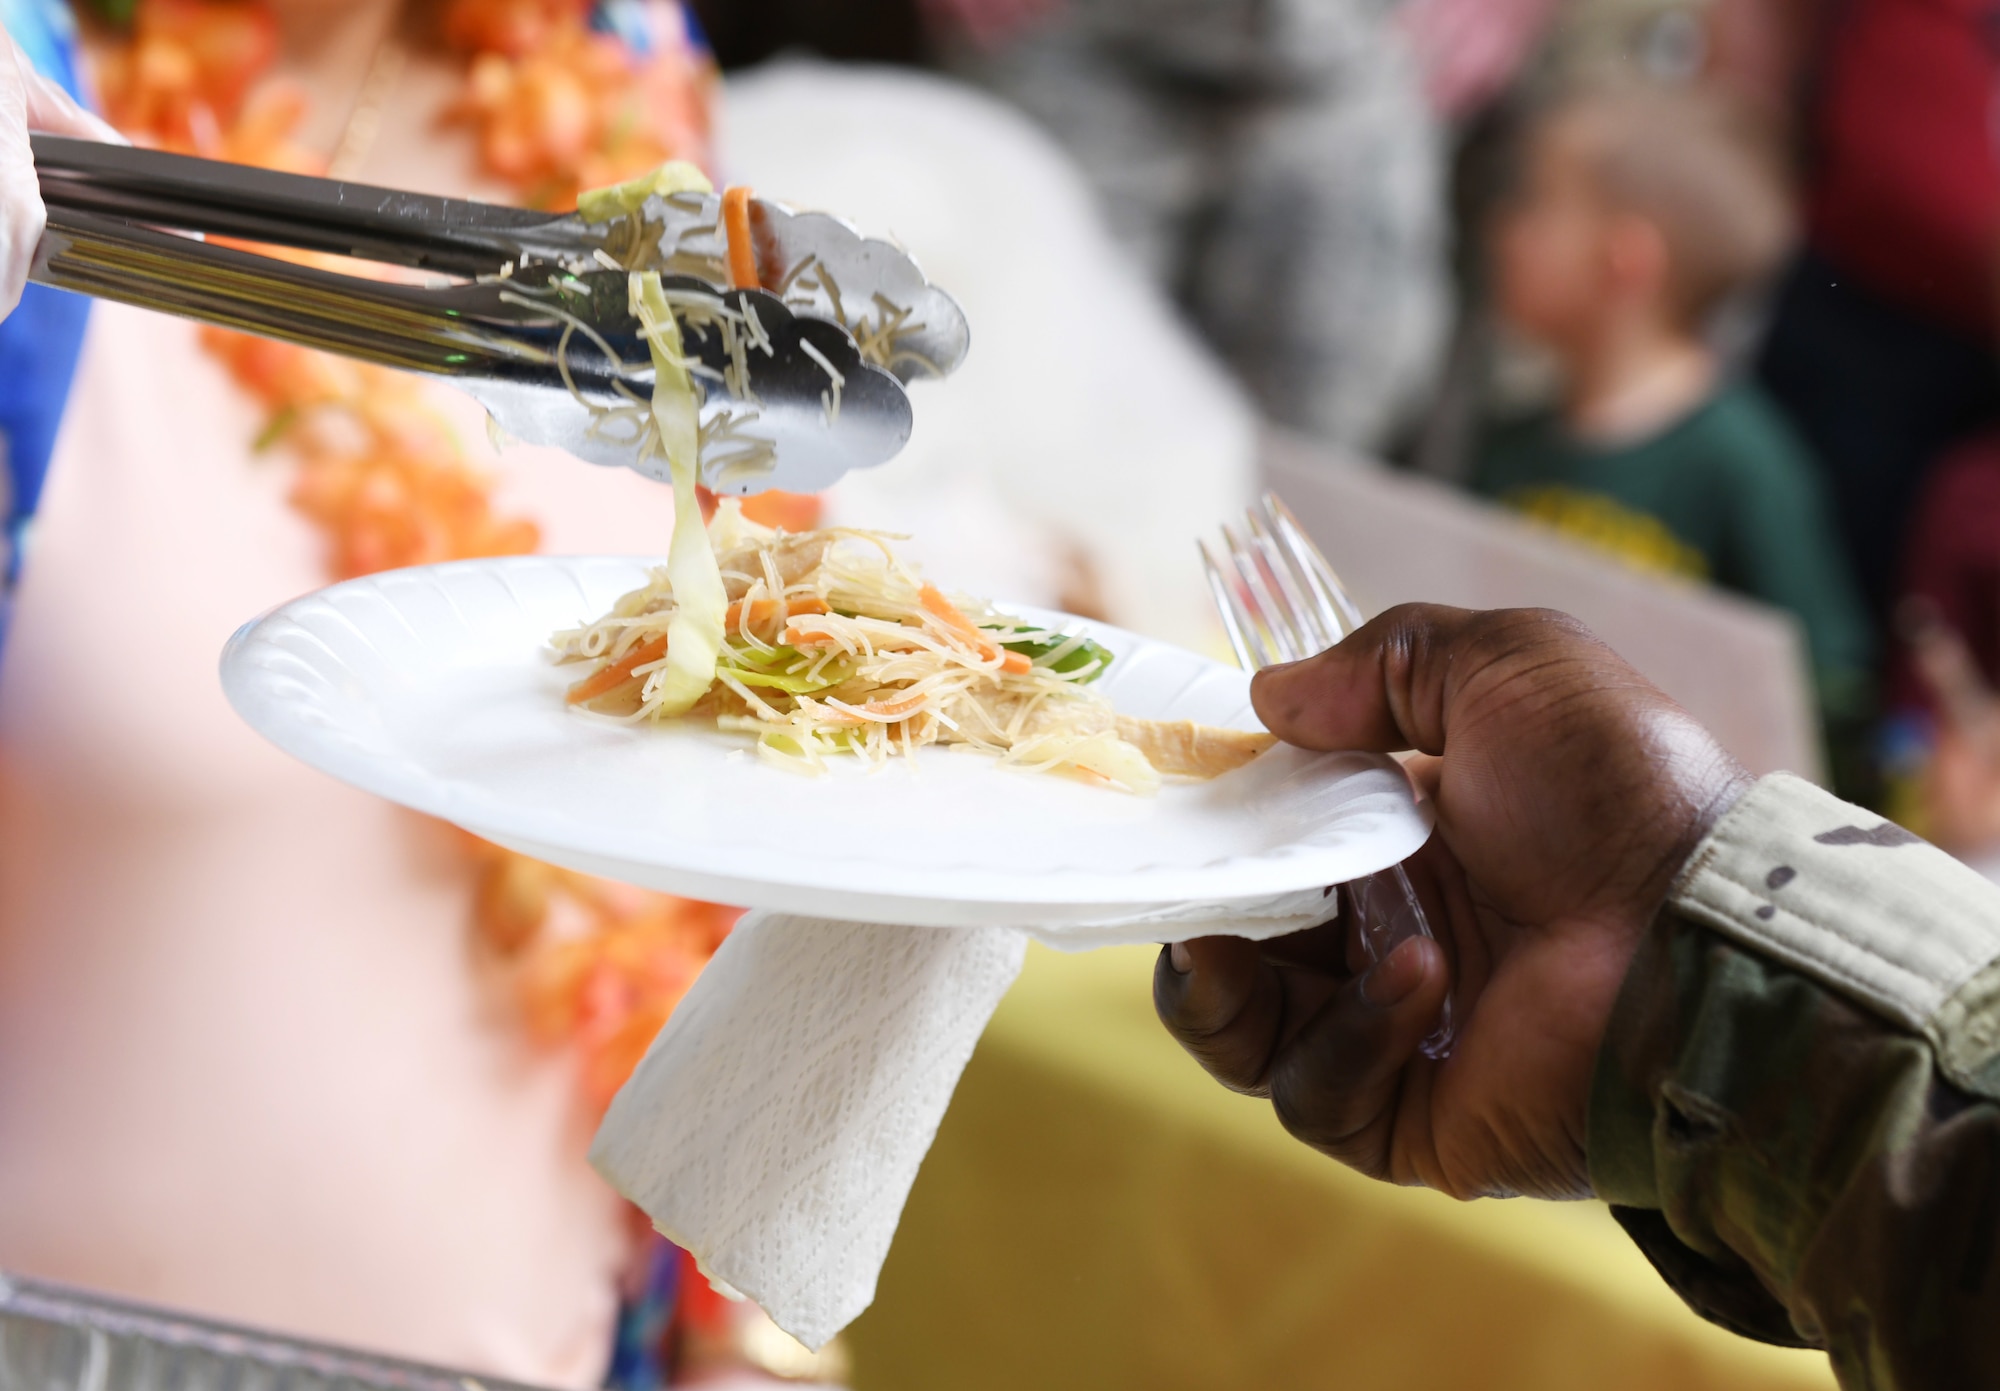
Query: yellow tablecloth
[1098, 1214]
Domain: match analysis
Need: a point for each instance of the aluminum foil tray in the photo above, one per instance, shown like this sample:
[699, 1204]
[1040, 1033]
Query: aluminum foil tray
[57, 1339]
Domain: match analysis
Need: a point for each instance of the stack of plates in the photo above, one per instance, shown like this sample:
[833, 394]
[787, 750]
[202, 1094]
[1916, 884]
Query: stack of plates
[56, 1339]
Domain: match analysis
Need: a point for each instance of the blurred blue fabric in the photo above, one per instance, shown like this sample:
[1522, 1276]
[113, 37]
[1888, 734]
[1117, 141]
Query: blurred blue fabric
[40, 340]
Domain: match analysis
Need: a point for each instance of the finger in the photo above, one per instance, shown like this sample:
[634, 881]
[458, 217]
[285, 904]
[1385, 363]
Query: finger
[1378, 689]
[1336, 1083]
[1321, 948]
[1426, 774]
[1224, 1005]
[21, 213]
[1391, 684]
[1456, 918]
[52, 109]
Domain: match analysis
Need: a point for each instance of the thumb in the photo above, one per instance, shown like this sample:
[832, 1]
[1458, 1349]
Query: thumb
[55, 111]
[21, 213]
[1336, 1083]
[1380, 689]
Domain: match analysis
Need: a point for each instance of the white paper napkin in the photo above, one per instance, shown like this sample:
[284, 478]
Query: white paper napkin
[776, 1124]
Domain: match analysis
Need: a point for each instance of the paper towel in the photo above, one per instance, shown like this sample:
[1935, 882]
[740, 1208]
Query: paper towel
[776, 1124]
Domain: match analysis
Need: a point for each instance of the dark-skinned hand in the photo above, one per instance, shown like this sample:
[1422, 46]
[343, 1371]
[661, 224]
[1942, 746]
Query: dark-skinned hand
[1569, 791]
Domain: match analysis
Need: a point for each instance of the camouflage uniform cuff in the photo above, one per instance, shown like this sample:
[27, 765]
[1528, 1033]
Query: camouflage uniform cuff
[1856, 904]
[1793, 1108]
[1849, 900]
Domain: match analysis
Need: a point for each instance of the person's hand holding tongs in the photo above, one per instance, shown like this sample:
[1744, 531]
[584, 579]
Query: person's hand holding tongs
[29, 101]
[799, 333]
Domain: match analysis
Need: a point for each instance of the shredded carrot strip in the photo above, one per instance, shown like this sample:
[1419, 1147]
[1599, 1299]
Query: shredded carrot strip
[608, 679]
[786, 511]
[805, 641]
[908, 705]
[948, 612]
[1016, 664]
[736, 232]
[762, 611]
[893, 708]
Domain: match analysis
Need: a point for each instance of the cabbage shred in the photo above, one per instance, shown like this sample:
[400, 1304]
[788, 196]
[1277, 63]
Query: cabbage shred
[833, 647]
[694, 632]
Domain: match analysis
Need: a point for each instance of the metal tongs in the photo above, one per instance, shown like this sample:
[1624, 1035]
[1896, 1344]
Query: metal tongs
[802, 377]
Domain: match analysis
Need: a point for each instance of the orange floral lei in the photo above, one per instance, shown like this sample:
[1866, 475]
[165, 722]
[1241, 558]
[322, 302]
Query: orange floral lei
[555, 108]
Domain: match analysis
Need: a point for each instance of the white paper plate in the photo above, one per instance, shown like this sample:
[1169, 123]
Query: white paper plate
[432, 687]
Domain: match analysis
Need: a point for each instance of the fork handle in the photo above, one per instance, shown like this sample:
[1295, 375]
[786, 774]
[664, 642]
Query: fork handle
[1389, 913]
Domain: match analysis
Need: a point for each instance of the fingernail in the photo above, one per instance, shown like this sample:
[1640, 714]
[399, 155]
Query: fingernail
[1392, 979]
[1180, 958]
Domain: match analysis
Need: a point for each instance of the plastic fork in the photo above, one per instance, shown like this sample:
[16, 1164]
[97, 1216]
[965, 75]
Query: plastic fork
[1280, 601]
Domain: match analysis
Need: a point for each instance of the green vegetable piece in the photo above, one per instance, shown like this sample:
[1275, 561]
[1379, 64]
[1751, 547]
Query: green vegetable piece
[623, 200]
[1075, 660]
[800, 684]
[746, 657]
[770, 671]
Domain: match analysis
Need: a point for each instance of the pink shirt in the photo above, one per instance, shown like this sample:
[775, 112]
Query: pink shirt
[248, 1064]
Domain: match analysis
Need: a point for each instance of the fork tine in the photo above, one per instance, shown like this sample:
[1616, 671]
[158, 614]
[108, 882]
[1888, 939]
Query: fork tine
[1303, 606]
[1234, 621]
[1316, 598]
[1301, 615]
[1290, 616]
[1277, 639]
[1256, 636]
[1278, 599]
[1314, 562]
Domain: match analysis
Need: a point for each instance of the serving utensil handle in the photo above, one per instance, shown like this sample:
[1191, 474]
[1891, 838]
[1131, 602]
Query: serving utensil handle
[451, 236]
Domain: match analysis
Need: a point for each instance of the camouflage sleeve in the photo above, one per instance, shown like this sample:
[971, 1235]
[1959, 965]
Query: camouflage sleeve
[1794, 1110]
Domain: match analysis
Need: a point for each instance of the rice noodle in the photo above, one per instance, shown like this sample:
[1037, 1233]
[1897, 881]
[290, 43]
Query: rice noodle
[830, 398]
[856, 656]
[726, 453]
[845, 652]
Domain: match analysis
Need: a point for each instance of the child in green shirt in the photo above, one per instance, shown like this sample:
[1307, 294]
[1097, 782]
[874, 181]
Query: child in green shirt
[1637, 213]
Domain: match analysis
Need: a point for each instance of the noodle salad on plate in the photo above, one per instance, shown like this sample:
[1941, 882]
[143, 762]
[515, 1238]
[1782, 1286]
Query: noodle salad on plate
[825, 643]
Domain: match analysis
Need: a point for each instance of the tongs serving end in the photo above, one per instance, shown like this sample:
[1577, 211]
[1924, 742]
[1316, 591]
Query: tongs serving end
[801, 377]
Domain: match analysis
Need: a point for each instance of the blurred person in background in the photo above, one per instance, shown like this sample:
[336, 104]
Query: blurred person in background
[1487, 65]
[1953, 783]
[1942, 741]
[290, 955]
[252, 1063]
[1274, 166]
[1471, 52]
[1088, 434]
[1882, 344]
[1637, 214]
